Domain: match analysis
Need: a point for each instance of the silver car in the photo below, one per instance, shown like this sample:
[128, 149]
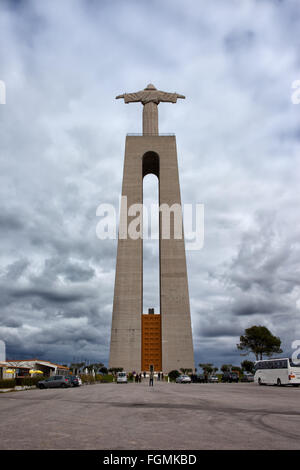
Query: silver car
[247, 377]
[213, 379]
[183, 379]
[121, 378]
[56, 381]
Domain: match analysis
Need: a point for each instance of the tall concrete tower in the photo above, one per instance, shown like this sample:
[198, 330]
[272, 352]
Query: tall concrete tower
[141, 341]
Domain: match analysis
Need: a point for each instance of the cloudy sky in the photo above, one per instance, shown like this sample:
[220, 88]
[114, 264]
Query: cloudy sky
[62, 137]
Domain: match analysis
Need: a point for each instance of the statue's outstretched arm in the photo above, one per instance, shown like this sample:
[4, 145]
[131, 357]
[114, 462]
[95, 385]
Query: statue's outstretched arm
[169, 97]
[130, 97]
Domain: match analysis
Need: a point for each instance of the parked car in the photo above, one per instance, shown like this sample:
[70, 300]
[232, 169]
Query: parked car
[183, 379]
[213, 379]
[121, 378]
[56, 381]
[75, 380]
[247, 377]
[230, 377]
[200, 378]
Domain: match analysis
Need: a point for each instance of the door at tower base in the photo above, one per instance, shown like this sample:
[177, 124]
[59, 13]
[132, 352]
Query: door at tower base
[151, 342]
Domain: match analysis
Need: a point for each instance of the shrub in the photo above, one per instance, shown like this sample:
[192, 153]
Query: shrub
[87, 378]
[29, 381]
[7, 383]
[104, 378]
[32, 380]
[99, 378]
[173, 375]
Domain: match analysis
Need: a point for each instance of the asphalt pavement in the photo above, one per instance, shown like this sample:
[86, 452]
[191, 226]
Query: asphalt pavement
[166, 416]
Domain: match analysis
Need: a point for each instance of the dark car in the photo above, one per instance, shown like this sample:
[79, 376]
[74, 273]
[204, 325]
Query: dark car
[56, 381]
[230, 377]
[75, 380]
[200, 378]
[247, 378]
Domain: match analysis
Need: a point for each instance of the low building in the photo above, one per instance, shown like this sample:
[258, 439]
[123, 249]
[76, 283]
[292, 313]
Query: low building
[29, 367]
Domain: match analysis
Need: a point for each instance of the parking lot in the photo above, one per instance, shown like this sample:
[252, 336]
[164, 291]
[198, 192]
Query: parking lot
[166, 416]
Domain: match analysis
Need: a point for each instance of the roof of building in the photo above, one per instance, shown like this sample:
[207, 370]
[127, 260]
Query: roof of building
[7, 365]
[39, 361]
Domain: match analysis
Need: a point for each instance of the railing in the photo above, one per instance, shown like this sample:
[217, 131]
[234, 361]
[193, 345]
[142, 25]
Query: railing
[143, 134]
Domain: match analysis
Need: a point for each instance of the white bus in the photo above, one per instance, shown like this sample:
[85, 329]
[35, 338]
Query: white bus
[281, 371]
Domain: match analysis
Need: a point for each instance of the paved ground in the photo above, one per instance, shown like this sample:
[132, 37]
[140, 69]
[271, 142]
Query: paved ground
[167, 416]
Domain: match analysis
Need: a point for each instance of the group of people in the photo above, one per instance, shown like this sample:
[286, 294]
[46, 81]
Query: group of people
[138, 377]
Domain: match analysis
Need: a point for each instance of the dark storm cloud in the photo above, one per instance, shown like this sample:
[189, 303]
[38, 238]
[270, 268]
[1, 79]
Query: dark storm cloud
[10, 323]
[61, 155]
[16, 269]
[214, 331]
[48, 295]
[254, 306]
[9, 223]
[71, 271]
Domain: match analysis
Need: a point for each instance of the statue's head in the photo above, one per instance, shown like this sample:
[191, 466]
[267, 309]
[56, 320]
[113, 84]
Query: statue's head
[150, 87]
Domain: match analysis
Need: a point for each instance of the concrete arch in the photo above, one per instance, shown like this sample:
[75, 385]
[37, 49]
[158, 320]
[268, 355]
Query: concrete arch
[151, 164]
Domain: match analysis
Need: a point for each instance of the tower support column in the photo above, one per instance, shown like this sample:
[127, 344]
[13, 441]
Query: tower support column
[176, 332]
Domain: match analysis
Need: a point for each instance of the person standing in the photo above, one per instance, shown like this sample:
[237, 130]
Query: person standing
[151, 379]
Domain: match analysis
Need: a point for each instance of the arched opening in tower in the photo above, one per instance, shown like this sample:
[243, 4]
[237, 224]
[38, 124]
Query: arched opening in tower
[151, 322]
[151, 283]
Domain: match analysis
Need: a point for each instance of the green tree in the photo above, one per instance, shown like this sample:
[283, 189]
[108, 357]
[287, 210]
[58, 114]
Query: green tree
[248, 366]
[94, 367]
[207, 368]
[226, 368]
[259, 340]
[236, 369]
[115, 370]
[185, 371]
